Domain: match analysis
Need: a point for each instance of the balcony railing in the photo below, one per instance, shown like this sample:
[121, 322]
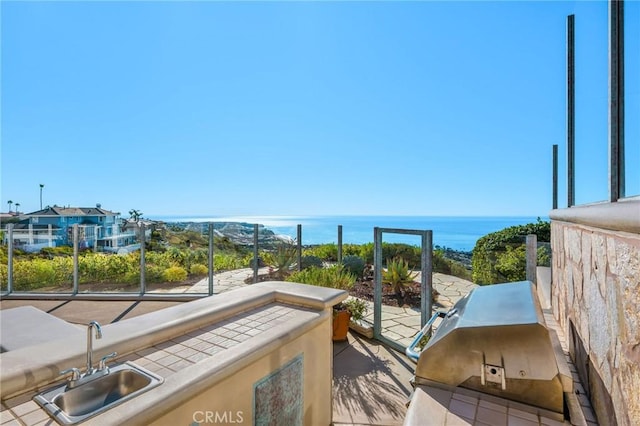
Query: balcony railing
[120, 264]
[148, 267]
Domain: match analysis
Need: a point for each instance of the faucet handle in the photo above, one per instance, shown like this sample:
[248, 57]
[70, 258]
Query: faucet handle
[103, 361]
[75, 373]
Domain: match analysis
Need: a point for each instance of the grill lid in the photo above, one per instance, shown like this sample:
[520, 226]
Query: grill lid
[492, 306]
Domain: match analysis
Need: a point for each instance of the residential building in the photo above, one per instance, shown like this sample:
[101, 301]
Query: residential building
[98, 229]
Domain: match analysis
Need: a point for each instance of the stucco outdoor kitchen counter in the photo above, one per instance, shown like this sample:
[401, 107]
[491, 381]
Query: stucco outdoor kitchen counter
[192, 346]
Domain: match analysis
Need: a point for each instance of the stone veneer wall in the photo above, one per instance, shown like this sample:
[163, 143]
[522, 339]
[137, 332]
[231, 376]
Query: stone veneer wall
[596, 299]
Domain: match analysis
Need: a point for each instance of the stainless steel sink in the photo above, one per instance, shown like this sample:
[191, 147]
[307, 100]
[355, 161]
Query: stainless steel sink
[123, 382]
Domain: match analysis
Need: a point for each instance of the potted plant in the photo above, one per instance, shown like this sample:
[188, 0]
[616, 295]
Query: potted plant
[343, 313]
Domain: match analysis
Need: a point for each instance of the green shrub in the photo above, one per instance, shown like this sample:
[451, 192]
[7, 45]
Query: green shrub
[491, 247]
[4, 255]
[99, 267]
[133, 277]
[4, 276]
[52, 268]
[199, 269]
[365, 251]
[410, 254]
[459, 270]
[439, 263]
[328, 252]
[544, 255]
[56, 251]
[175, 274]
[176, 255]
[154, 274]
[512, 263]
[333, 277]
[35, 273]
[200, 255]
[228, 262]
[309, 260]
[357, 250]
[163, 260]
[354, 264]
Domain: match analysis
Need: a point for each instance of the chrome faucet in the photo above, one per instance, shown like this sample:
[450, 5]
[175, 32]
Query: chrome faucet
[91, 373]
[98, 328]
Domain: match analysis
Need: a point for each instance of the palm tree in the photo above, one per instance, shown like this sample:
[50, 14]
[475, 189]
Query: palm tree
[41, 186]
[17, 206]
[9, 202]
[135, 215]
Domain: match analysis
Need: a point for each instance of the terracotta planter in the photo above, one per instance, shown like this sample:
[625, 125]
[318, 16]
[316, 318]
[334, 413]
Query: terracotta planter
[341, 325]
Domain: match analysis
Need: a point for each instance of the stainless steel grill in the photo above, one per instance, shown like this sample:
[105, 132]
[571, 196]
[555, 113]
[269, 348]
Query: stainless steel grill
[494, 340]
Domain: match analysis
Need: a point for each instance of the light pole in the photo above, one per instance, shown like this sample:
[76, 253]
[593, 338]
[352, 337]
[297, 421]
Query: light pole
[41, 186]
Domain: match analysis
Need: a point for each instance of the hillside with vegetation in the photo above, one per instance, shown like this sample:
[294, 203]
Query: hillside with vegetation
[177, 254]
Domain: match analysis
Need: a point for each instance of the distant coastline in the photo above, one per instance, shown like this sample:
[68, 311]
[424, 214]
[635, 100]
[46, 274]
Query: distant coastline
[457, 233]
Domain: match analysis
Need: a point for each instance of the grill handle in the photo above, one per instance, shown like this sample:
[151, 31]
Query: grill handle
[411, 349]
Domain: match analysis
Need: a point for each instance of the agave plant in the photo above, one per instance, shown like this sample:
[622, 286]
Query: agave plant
[281, 260]
[398, 275]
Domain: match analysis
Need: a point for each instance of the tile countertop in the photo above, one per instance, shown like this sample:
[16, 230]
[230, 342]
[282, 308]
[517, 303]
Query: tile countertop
[260, 317]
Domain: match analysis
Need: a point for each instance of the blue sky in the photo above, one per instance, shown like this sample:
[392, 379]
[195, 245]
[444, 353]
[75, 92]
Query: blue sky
[304, 108]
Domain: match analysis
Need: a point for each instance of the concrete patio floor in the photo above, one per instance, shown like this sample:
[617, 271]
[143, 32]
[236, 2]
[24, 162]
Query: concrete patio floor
[370, 383]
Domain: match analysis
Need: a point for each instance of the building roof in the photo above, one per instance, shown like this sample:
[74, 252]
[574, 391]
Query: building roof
[73, 211]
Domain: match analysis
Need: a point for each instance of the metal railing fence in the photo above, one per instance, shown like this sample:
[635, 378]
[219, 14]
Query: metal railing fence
[8, 288]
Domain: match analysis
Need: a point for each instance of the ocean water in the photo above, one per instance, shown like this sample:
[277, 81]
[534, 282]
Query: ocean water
[458, 233]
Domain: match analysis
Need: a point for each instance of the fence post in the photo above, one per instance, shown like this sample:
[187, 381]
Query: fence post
[255, 253]
[377, 283]
[210, 259]
[10, 258]
[339, 243]
[555, 177]
[143, 287]
[616, 101]
[426, 282]
[76, 281]
[299, 240]
[571, 112]
[532, 258]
